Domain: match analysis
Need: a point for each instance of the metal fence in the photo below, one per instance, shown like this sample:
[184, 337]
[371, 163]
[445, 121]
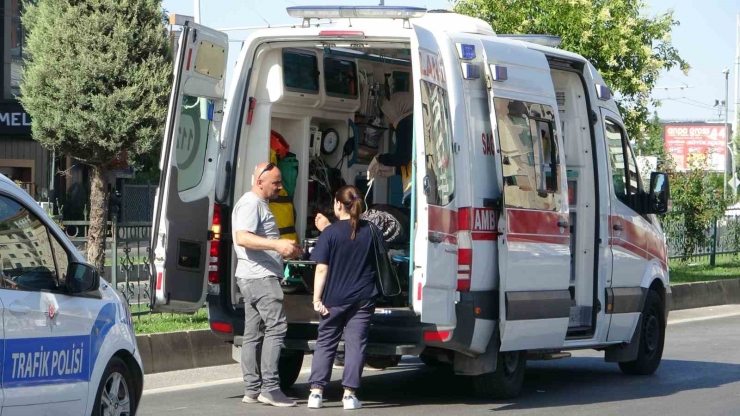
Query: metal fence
[127, 258]
[721, 238]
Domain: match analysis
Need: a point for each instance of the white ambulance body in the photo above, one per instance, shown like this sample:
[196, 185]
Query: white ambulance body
[530, 231]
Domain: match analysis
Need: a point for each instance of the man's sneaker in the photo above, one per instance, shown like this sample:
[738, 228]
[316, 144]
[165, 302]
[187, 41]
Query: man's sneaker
[276, 398]
[351, 403]
[315, 401]
[250, 398]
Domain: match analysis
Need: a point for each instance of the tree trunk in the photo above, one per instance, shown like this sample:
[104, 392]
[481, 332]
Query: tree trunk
[98, 218]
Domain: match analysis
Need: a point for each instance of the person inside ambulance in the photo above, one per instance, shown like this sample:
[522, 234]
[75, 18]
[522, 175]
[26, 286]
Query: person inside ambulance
[398, 110]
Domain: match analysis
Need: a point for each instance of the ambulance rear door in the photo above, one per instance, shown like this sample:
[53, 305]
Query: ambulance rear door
[435, 239]
[534, 241]
[183, 207]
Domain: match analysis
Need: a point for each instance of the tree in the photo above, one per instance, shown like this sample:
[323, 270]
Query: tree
[96, 82]
[628, 48]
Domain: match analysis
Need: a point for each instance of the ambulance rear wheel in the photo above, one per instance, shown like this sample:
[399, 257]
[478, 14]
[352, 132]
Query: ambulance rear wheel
[289, 367]
[506, 382]
[652, 339]
[116, 393]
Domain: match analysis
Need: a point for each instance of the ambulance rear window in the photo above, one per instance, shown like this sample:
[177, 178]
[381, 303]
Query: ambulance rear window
[300, 71]
[340, 76]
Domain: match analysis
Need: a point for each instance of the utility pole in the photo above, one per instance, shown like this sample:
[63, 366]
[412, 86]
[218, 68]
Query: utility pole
[726, 71]
[196, 11]
[736, 124]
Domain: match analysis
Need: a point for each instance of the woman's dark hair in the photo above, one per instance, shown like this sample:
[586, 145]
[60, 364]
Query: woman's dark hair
[349, 196]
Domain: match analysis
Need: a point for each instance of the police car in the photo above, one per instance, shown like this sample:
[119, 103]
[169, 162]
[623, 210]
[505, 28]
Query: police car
[68, 344]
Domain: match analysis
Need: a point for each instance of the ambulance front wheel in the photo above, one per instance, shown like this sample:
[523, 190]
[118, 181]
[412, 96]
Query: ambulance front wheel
[506, 382]
[652, 339]
[116, 393]
[289, 367]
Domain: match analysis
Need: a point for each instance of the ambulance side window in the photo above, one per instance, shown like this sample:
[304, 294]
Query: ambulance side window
[26, 257]
[625, 177]
[440, 180]
[529, 155]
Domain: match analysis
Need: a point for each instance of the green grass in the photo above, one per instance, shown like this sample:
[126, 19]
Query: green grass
[726, 267]
[168, 322]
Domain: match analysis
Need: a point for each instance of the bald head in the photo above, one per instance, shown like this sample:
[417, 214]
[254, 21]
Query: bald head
[267, 180]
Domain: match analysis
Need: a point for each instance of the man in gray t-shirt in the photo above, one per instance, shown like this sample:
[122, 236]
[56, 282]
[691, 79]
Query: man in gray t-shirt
[260, 253]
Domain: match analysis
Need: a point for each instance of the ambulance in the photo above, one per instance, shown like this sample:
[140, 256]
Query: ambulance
[68, 344]
[528, 229]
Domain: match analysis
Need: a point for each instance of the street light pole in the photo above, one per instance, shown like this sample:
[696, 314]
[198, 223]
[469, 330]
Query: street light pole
[726, 71]
[196, 11]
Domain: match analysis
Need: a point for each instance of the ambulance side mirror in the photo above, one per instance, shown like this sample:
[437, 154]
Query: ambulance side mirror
[81, 278]
[659, 195]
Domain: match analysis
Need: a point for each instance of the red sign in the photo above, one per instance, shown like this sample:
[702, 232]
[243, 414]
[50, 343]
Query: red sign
[687, 143]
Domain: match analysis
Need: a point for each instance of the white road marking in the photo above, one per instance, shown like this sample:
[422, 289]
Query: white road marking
[703, 318]
[200, 385]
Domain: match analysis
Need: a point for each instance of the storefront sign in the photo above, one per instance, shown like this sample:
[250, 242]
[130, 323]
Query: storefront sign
[14, 120]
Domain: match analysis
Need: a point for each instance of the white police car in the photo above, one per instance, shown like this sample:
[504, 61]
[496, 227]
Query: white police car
[68, 345]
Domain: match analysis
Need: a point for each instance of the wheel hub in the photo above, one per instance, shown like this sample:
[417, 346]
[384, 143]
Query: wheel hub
[652, 334]
[511, 360]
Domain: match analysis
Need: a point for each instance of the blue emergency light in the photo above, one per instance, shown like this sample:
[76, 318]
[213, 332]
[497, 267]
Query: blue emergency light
[467, 51]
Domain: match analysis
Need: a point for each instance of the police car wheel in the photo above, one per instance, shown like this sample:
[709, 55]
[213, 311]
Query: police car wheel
[506, 382]
[116, 391]
[652, 339]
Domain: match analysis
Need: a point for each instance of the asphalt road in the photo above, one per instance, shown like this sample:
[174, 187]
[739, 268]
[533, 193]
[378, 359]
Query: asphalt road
[699, 375]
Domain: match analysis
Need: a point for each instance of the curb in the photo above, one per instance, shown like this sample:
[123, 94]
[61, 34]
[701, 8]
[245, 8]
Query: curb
[702, 294]
[182, 350]
[194, 349]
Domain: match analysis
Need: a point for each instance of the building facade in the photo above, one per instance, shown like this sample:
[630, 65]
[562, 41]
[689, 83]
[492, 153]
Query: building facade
[21, 158]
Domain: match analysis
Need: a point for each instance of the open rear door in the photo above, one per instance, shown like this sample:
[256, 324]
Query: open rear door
[534, 251]
[435, 240]
[183, 206]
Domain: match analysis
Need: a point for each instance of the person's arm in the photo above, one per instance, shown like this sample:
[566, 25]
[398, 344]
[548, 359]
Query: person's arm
[287, 248]
[319, 281]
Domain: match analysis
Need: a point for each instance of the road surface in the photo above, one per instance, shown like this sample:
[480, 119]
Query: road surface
[700, 374]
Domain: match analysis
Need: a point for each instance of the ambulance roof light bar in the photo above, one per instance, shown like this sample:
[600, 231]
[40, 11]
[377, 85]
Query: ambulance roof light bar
[357, 12]
[544, 40]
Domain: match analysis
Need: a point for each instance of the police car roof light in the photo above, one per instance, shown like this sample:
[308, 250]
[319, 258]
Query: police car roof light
[357, 12]
[544, 40]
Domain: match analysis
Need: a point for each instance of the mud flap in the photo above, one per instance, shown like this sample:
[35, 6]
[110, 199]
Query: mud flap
[622, 353]
[466, 365]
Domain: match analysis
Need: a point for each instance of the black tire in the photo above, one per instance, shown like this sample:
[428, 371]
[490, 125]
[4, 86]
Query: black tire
[289, 367]
[381, 362]
[506, 382]
[432, 361]
[116, 372]
[652, 339]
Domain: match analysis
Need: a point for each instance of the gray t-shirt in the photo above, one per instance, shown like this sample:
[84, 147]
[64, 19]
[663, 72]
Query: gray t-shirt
[253, 214]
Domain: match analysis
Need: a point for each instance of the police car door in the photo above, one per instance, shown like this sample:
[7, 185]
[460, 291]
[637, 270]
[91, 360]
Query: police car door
[46, 357]
[534, 245]
[184, 203]
[435, 252]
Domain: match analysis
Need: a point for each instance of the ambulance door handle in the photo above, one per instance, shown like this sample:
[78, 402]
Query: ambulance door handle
[562, 224]
[435, 239]
[617, 227]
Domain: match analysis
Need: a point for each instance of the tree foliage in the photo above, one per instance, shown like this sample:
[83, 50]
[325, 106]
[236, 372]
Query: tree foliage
[696, 198]
[628, 48]
[96, 83]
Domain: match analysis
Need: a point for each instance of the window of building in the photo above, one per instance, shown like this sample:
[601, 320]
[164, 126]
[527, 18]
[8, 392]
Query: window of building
[17, 45]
